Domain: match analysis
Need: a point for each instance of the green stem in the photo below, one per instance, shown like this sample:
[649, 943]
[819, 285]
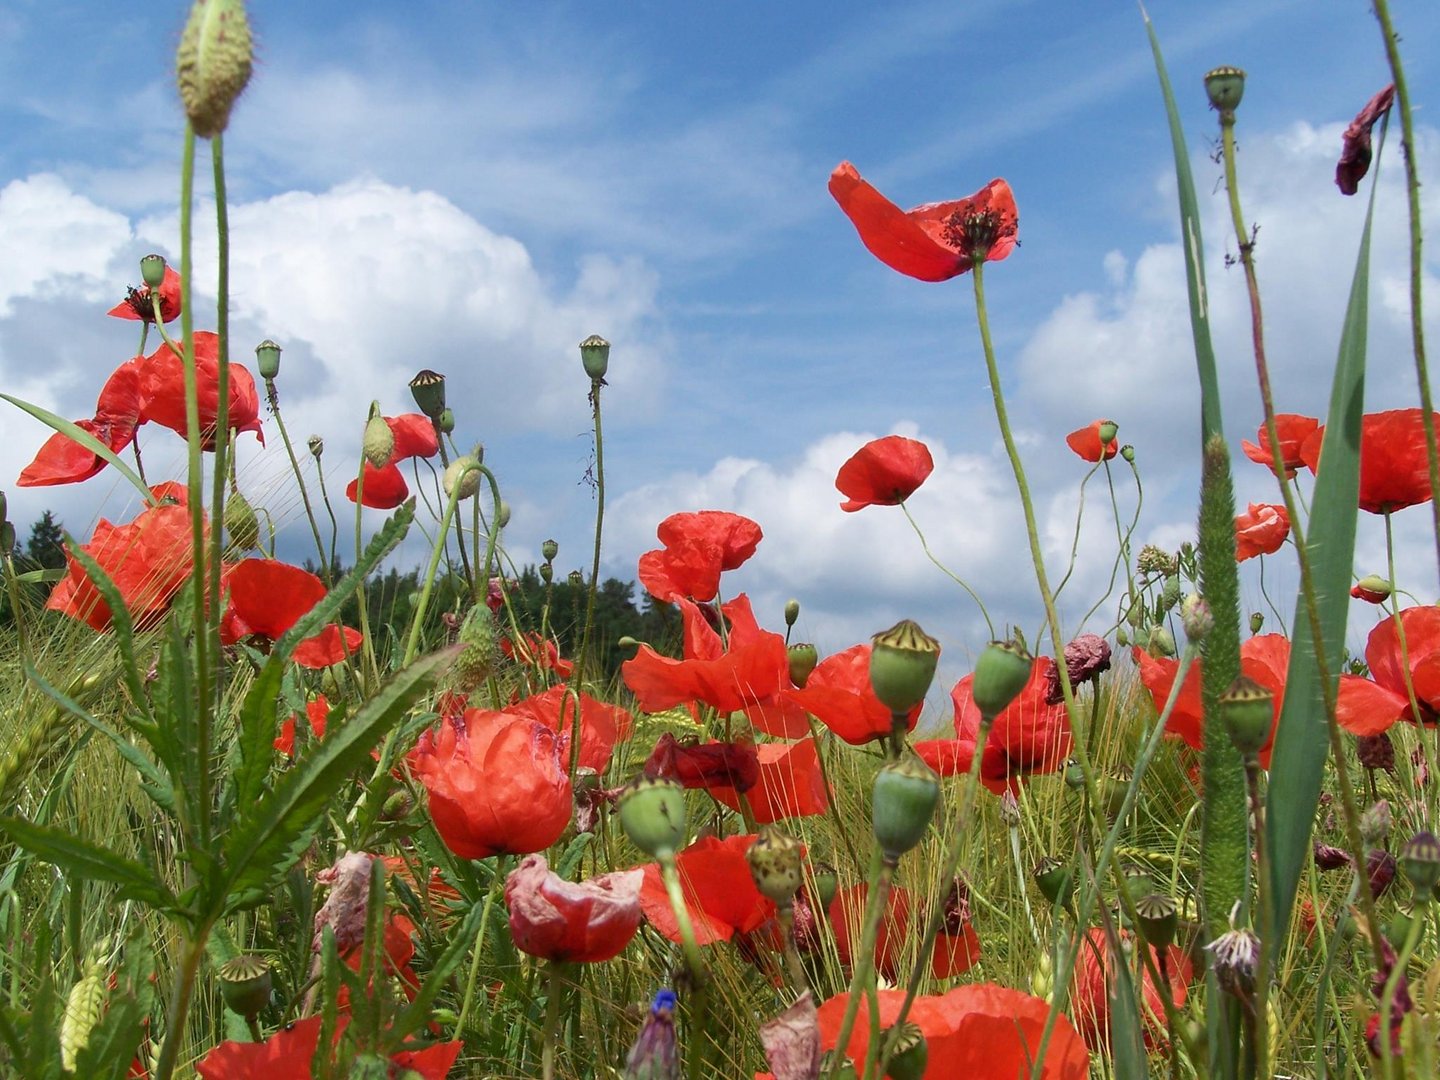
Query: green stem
[925, 546]
[552, 1019]
[1264, 916]
[697, 1035]
[330, 510]
[221, 435]
[273, 396]
[882, 873]
[180, 995]
[792, 955]
[13, 588]
[582, 659]
[412, 644]
[479, 949]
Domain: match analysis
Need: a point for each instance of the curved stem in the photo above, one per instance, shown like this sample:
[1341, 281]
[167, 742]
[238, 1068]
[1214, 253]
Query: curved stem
[273, 396]
[989, 626]
[583, 658]
[479, 949]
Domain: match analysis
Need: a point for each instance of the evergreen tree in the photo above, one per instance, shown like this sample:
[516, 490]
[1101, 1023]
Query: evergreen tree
[46, 547]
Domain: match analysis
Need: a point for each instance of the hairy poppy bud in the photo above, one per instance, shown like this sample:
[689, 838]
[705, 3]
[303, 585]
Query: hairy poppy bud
[267, 359]
[827, 884]
[775, 864]
[476, 661]
[462, 478]
[1162, 642]
[549, 549]
[595, 356]
[317, 446]
[1121, 637]
[1196, 617]
[903, 800]
[379, 442]
[912, 1053]
[245, 985]
[1001, 672]
[446, 420]
[1420, 859]
[792, 612]
[902, 665]
[1225, 86]
[428, 390]
[1246, 708]
[652, 813]
[241, 524]
[1375, 822]
[213, 63]
[1170, 592]
[152, 270]
[803, 658]
[1373, 589]
[502, 515]
[1158, 918]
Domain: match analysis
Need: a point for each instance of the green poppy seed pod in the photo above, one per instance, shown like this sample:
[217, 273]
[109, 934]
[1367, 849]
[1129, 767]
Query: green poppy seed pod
[1246, 711]
[212, 64]
[245, 985]
[827, 883]
[836, 1066]
[1138, 881]
[428, 390]
[152, 270]
[1162, 642]
[1196, 617]
[1001, 672]
[776, 864]
[903, 801]
[1398, 928]
[652, 813]
[576, 579]
[1055, 880]
[912, 1053]
[1108, 430]
[902, 665]
[241, 524]
[595, 356]
[462, 478]
[1420, 859]
[267, 359]
[802, 657]
[1225, 86]
[317, 446]
[1158, 918]
[792, 612]
[379, 442]
[549, 549]
[1257, 620]
[547, 573]
[446, 421]
[1128, 453]
[1074, 775]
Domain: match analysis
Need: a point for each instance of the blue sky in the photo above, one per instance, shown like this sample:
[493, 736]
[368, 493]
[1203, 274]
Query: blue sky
[474, 187]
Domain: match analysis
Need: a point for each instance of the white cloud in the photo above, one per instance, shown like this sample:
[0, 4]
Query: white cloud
[55, 241]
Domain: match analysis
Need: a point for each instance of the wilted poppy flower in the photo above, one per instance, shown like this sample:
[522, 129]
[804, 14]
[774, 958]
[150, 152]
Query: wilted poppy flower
[541, 652]
[574, 922]
[719, 892]
[1370, 706]
[1086, 442]
[704, 765]
[148, 560]
[1095, 967]
[317, 712]
[1393, 471]
[385, 488]
[1087, 657]
[1029, 736]
[118, 412]
[1293, 430]
[934, 242]
[162, 389]
[601, 725]
[497, 784]
[839, 695]
[286, 1055]
[699, 546]
[957, 946]
[1261, 530]
[140, 305]
[788, 784]
[1355, 150]
[883, 472]
[1263, 657]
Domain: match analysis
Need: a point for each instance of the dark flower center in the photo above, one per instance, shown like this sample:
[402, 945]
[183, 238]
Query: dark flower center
[973, 234]
[142, 303]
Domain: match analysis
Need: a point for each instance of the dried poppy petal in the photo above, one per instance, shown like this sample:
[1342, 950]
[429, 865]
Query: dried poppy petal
[883, 472]
[1355, 150]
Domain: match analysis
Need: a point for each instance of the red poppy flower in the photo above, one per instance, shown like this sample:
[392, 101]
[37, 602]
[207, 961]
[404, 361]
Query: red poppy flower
[717, 887]
[838, 694]
[1086, 442]
[267, 597]
[699, 546]
[934, 242]
[789, 783]
[148, 560]
[1264, 658]
[138, 303]
[497, 784]
[601, 725]
[385, 488]
[162, 390]
[1370, 706]
[1261, 530]
[1029, 736]
[540, 652]
[980, 1030]
[317, 712]
[330, 646]
[883, 472]
[1393, 471]
[1372, 589]
[735, 765]
[847, 920]
[286, 1055]
[1355, 150]
[1090, 996]
[1293, 430]
[576, 922]
[118, 412]
[397, 949]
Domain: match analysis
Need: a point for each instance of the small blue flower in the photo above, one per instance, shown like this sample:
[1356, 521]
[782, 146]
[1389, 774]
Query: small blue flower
[654, 1055]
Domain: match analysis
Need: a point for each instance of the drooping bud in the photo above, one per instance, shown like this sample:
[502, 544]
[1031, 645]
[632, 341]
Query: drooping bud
[379, 441]
[792, 612]
[502, 515]
[903, 801]
[1247, 711]
[1001, 672]
[548, 550]
[428, 390]
[152, 271]
[316, 445]
[1373, 589]
[476, 661]
[1257, 620]
[267, 359]
[654, 1055]
[1162, 642]
[446, 421]
[912, 1053]
[1158, 918]
[803, 658]
[775, 864]
[1055, 880]
[1420, 859]
[242, 526]
[245, 985]
[595, 356]
[462, 478]
[902, 665]
[1196, 617]
[1121, 637]
[827, 883]
[1225, 86]
[652, 813]
[212, 65]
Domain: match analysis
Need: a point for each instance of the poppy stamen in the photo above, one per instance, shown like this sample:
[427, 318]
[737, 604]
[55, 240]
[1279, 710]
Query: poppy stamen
[976, 232]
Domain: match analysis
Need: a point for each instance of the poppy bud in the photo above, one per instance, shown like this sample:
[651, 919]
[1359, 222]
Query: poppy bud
[1225, 86]
[1170, 592]
[775, 864]
[7, 538]
[1420, 859]
[802, 657]
[1121, 637]
[476, 661]
[1001, 672]
[1375, 822]
[1055, 880]
[152, 270]
[792, 612]
[241, 524]
[903, 800]
[446, 421]
[462, 478]
[213, 63]
[902, 665]
[4, 509]
[1246, 708]
[267, 359]
[1162, 642]
[1196, 617]
[1158, 919]
[1398, 928]
[549, 549]
[827, 884]
[1257, 620]
[654, 1055]
[911, 1054]
[547, 573]
[1128, 453]
[1074, 776]
[1108, 430]
[428, 390]
[652, 813]
[627, 642]
[379, 442]
[245, 985]
[502, 515]
[836, 1066]
[317, 446]
[1010, 810]
[1373, 589]
[595, 356]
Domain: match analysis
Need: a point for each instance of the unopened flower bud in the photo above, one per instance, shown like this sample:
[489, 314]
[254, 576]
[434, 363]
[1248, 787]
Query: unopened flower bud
[1225, 86]
[1121, 637]
[1074, 775]
[1247, 710]
[1001, 671]
[549, 549]
[428, 390]
[317, 446]
[654, 1055]
[792, 612]
[625, 641]
[803, 658]
[1162, 642]
[1158, 918]
[1420, 859]
[213, 63]
[446, 421]
[652, 813]
[4, 508]
[1373, 589]
[462, 478]
[1398, 928]
[267, 359]
[775, 864]
[903, 801]
[595, 356]
[152, 270]
[379, 441]
[1010, 810]
[502, 515]
[902, 665]
[827, 883]
[245, 985]
[1257, 620]
[1196, 617]
[242, 526]
[1055, 880]
[912, 1053]
[1375, 822]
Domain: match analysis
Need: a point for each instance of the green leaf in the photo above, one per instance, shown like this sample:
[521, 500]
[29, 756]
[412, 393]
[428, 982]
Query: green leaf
[85, 439]
[89, 861]
[40, 577]
[1127, 1047]
[462, 939]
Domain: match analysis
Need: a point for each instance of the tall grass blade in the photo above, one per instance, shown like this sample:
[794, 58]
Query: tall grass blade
[85, 439]
[89, 861]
